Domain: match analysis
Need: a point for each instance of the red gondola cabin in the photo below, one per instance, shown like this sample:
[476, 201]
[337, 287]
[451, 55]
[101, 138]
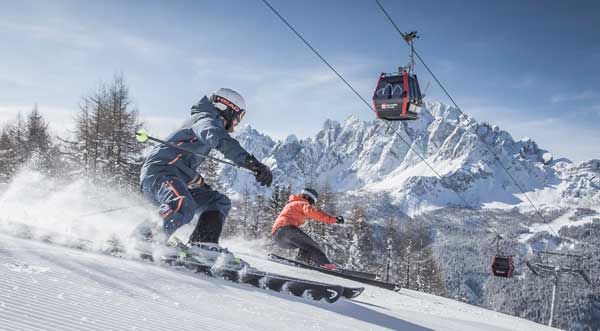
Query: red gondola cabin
[397, 97]
[502, 266]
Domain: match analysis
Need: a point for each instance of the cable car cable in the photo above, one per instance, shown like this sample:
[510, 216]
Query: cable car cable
[317, 53]
[538, 212]
[388, 123]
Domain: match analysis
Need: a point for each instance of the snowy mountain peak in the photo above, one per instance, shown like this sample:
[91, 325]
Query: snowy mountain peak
[359, 157]
[352, 120]
[292, 139]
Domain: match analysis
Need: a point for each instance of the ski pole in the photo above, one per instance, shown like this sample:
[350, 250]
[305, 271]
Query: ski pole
[142, 136]
[106, 211]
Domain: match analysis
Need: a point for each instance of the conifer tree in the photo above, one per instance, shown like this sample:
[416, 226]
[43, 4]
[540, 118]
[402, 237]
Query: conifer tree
[361, 241]
[245, 212]
[275, 202]
[209, 169]
[262, 222]
[8, 158]
[406, 263]
[26, 140]
[391, 250]
[38, 143]
[104, 147]
[17, 132]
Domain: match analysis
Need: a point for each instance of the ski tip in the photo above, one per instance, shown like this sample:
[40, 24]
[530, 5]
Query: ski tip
[333, 294]
[351, 293]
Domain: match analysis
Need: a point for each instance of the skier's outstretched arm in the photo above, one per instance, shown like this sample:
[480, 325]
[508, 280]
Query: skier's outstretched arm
[317, 214]
[213, 133]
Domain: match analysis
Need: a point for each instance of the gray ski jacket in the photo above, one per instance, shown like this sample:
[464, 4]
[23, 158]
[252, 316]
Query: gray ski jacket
[203, 131]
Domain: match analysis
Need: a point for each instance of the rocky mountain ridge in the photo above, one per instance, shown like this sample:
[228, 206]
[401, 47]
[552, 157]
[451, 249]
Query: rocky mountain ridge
[359, 157]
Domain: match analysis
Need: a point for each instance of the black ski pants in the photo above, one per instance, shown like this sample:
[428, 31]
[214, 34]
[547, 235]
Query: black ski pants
[291, 237]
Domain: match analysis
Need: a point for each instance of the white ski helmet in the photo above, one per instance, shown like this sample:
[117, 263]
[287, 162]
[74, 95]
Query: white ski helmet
[230, 104]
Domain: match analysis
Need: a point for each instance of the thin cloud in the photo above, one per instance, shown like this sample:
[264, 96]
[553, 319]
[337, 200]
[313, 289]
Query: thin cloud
[557, 136]
[72, 35]
[80, 36]
[581, 96]
[525, 82]
[595, 108]
[148, 49]
[303, 95]
[8, 80]
[445, 66]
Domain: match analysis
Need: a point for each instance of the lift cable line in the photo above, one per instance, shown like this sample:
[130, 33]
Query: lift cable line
[404, 37]
[498, 259]
[317, 54]
[388, 123]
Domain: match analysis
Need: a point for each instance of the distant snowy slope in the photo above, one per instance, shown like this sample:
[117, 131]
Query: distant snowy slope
[46, 287]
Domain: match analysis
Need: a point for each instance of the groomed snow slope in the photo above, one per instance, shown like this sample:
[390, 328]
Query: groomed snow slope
[47, 287]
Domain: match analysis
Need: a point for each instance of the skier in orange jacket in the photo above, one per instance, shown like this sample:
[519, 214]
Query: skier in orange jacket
[286, 232]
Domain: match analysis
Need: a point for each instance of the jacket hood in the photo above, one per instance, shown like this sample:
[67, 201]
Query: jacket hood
[203, 106]
[296, 197]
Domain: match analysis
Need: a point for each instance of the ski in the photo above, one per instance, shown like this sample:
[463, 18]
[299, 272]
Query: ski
[265, 280]
[342, 274]
[245, 274]
[360, 274]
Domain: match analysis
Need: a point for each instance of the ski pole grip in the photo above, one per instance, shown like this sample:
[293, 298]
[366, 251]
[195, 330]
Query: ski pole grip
[141, 135]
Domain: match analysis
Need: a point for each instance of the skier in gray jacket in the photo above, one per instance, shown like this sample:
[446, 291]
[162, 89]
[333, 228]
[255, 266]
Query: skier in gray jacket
[169, 177]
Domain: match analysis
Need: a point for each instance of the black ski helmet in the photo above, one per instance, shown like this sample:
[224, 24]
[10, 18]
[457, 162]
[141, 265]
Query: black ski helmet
[311, 195]
[230, 104]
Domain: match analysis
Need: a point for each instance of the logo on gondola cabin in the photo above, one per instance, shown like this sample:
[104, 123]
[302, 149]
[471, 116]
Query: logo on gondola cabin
[390, 89]
[389, 105]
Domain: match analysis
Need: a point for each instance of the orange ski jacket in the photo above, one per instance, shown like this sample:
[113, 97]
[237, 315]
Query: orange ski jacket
[297, 210]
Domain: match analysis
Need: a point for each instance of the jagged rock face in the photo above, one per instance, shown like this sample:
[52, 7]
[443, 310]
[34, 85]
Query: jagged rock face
[582, 182]
[368, 157]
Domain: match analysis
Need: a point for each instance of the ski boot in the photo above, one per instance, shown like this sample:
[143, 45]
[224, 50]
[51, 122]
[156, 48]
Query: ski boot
[147, 237]
[216, 256]
[328, 266]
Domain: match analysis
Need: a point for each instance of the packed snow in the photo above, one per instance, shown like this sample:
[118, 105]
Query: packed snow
[53, 287]
[48, 287]
[568, 219]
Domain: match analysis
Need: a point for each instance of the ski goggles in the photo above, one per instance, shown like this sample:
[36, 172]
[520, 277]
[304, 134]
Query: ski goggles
[239, 116]
[238, 112]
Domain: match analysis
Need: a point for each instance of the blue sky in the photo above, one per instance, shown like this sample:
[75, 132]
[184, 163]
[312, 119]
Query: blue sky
[531, 67]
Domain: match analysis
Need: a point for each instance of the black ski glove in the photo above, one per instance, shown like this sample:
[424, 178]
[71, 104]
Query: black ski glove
[262, 173]
[340, 220]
